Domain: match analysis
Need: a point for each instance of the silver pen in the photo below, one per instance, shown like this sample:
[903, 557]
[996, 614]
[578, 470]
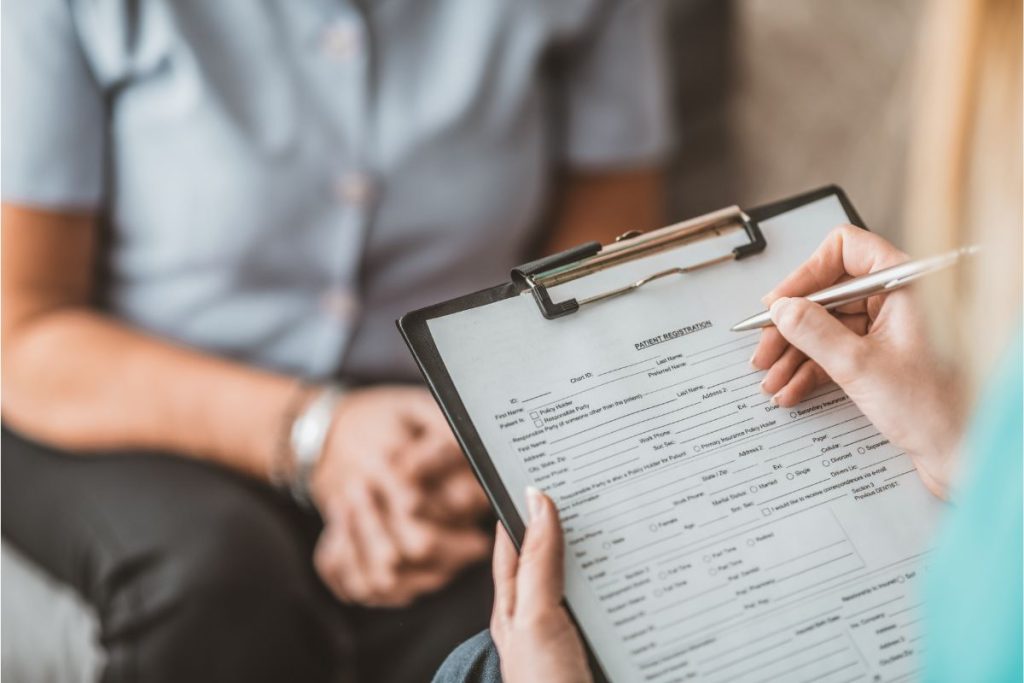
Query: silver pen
[860, 288]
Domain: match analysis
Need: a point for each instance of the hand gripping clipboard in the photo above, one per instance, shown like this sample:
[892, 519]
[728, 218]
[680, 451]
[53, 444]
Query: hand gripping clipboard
[537, 277]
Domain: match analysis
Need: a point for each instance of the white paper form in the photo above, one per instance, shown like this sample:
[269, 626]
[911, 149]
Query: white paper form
[709, 535]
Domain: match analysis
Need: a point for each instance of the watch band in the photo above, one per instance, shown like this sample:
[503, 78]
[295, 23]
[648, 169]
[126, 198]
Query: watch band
[307, 437]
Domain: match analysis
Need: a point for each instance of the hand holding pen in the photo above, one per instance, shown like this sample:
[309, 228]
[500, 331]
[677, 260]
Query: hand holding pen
[876, 349]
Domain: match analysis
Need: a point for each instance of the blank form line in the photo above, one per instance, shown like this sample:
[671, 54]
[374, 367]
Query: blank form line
[807, 554]
[745, 657]
[717, 519]
[705, 422]
[532, 398]
[854, 430]
[621, 417]
[694, 615]
[900, 474]
[787, 493]
[733, 379]
[891, 457]
[747, 386]
[731, 650]
[737, 340]
[724, 353]
[781, 427]
[713, 431]
[774, 661]
[848, 581]
[881, 604]
[662, 469]
[700, 545]
[637, 521]
[608, 469]
[777, 676]
[801, 462]
[906, 609]
[619, 430]
[732, 486]
[631, 436]
[673, 605]
[594, 462]
[706, 631]
[783, 443]
[817, 566]
[797, 450]
[817, 396]
[818, 678]
[871, 436]
[623, 367]
[583, 391]
[815, 585]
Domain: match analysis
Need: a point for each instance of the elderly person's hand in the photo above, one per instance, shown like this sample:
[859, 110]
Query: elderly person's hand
[876, 350]
[535, 638]
[401, 507]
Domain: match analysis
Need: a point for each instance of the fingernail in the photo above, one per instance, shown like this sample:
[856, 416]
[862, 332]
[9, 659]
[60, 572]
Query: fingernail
[778, 307]
[751, 362]
[763, 390]
[774, 400]
[534, 503]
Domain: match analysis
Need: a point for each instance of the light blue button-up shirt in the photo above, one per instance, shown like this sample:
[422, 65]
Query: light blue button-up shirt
[280, 180]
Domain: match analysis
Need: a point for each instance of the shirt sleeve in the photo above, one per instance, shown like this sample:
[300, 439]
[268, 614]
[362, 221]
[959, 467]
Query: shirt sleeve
[615, 100]
[53, 111]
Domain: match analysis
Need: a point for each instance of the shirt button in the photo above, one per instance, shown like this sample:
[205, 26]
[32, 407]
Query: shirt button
[340, 303]
[341, 40]
[355, 189]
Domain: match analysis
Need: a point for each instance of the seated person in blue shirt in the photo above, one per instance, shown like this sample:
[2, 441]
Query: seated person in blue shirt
[212, 215]
[914, 367]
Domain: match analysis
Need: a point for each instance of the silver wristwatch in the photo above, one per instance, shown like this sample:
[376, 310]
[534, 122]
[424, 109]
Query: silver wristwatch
[307, 438]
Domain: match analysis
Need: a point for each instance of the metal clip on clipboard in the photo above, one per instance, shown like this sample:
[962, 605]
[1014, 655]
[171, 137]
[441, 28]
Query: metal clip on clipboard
[591, 257]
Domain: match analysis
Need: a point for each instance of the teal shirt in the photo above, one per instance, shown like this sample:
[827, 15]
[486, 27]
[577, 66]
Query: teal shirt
[974, 594]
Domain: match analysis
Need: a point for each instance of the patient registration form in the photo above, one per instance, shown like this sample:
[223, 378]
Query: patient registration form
[709, 535]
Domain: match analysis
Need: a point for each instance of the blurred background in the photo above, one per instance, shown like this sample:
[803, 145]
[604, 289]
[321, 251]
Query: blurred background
[753, 124]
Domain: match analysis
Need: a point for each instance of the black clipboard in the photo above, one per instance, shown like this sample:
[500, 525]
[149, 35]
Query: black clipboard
[414, 329]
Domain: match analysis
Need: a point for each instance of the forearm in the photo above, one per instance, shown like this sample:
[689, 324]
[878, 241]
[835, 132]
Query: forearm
[82, 381]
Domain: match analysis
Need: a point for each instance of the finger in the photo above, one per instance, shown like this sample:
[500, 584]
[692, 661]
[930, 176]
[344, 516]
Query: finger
[459, 497]
[503, 568]
[429, 457]
[540, 580]
[847, 250]
[380, 550]
[769, 349]
[428, 544]
[332, 557]
[421, 414]
[782, 370]
[808, 377]
[459, 548]
[822, 337]
[351, 569]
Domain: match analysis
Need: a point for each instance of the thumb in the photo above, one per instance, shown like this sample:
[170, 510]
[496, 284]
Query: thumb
[540, 579]
[821, 336]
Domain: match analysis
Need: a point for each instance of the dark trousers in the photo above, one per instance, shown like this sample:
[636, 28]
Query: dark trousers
[199, 574]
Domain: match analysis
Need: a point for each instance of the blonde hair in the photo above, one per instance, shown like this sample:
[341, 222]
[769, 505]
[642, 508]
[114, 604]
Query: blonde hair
[965, 182]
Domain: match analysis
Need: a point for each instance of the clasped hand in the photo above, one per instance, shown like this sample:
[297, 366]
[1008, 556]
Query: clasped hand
[401, 508]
